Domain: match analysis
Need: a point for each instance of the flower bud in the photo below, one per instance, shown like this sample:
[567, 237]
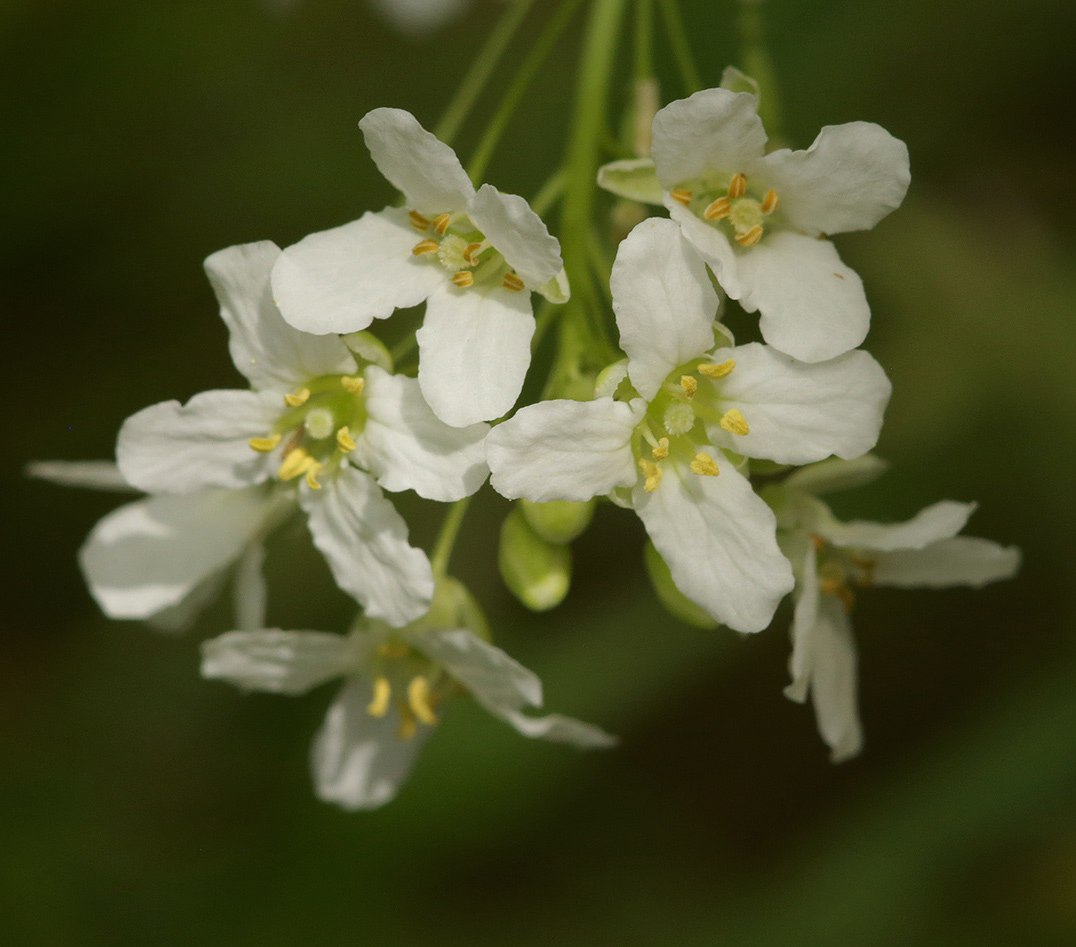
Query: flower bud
[369, 349]
[558, 521]
[537, 572]
[670, 596]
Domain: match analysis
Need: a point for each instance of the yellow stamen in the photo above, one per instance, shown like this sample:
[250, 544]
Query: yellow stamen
[750, 238]
[652, 472]
[737, 186]
[463, 279]
[379, 706]
[344, 440]
[662, 450]
[418, 696]
[470, 254]
[294, 464]
[690, 384]
[425, 246]
[512, 282]
[298, 399]
[353, 384]
[441, 224]
[717, 371]
[717, 209]
[770, 201]
[681, 196]
[312, 471]
[408, 726]
[705, 466]
[419, 222]
[735, 423]
[264, 444]
[818, 542]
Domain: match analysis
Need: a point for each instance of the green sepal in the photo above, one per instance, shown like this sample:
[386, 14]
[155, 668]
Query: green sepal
[670, 596]
[737, 81]
[633, 178]
[368, 349]
[558, 521]
[538, 573]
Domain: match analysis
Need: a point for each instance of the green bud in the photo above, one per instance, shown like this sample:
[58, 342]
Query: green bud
[558, 521]
[670, 596]
[369, 349]
[537, 572]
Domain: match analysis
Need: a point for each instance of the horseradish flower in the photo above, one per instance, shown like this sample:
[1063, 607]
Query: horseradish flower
[473, 256]
[396, 681]
[833, 560]
[322, 417]
[683, 405]
[760, 220]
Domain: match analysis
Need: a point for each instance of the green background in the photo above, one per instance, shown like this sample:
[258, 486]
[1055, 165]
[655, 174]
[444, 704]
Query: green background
[139, 804]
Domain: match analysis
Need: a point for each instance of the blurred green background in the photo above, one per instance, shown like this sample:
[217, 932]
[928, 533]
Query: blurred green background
[139, 804]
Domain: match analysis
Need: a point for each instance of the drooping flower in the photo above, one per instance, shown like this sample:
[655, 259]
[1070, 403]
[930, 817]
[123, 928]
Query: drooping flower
[395, 683]
[761, 220]
[320, 416]
[833, 560]
[473, 256]
[668, 444]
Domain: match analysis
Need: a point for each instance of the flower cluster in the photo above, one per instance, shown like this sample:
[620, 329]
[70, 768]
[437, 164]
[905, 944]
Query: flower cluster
[721, 449]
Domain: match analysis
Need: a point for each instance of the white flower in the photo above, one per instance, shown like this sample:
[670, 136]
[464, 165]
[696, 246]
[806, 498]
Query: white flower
[760, 220]
[473, 256]
[395, 683]
[833, 559]
[316, 418]
[688, 404]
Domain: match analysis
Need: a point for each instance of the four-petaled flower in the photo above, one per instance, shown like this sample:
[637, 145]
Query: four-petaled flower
[473, 256]
[687, 404]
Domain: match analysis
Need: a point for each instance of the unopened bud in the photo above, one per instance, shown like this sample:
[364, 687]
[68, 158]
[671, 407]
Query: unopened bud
[537, 572]
[558, 521]
[670, 596]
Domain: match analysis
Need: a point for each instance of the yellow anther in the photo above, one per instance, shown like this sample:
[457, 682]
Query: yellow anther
[294, 464]
[440, 225]
[735, 423]
[471, 253]
[406, 730]
[705, 466]
[662, 450]
[394, 649]
[344, 440]
[419, 222]
[512, 282]
[425, 246]
[717, 371]
[264, 444]
[690, 384]
[652, 472]
[312, 471]
[751, 237]
[737, 186]
[818, 542]
[297, 399]
[833, 585]
[463, 279]
[717, 209]
[419, 697]
[379, 706]
[353, 384]
[681, 196]
[770, 201]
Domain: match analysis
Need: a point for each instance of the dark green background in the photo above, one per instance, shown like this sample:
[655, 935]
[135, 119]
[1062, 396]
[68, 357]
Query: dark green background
[140, 805]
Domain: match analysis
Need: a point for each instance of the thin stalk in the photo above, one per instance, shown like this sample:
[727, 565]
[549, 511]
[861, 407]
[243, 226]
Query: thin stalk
[403, 348]
[446, 538]
[681, 46]
[644, 40]
[549, 193]
[481, 68]
[758, 64]
[514, 93]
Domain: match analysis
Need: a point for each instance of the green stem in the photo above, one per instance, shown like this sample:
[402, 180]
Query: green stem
[681, 46]
[543, 318]
[759, 66]
[549, 193]
[403, 348]
[511, 98]
[644, 40]
[446, 538]
[481, 68]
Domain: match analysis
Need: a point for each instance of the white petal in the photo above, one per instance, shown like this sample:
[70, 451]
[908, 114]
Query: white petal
[149, 555]
[425, 169]
[358, 761]
[419, 17]
[282, 662]
[269, 352]
[962, 560]
[941, 520]
[564, 450]
[364, 540]
[250, 590]
[179, 617]
[849, 179]
[341, 280]
[800, 412]
[718, 539]
[804, 619]
[711, 131]
[518, 233]
[712, 245]
[91, 474]
[834, 680]
[828, 476]
[496, 680]
[406, 447]
[474, 352]
[174, 448]
[664, 303]
[633, 178]
[560, 729]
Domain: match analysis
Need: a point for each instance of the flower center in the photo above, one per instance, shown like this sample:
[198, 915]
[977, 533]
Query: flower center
[398, 668]
[839, 570]
[745, 214]
[454, 242]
